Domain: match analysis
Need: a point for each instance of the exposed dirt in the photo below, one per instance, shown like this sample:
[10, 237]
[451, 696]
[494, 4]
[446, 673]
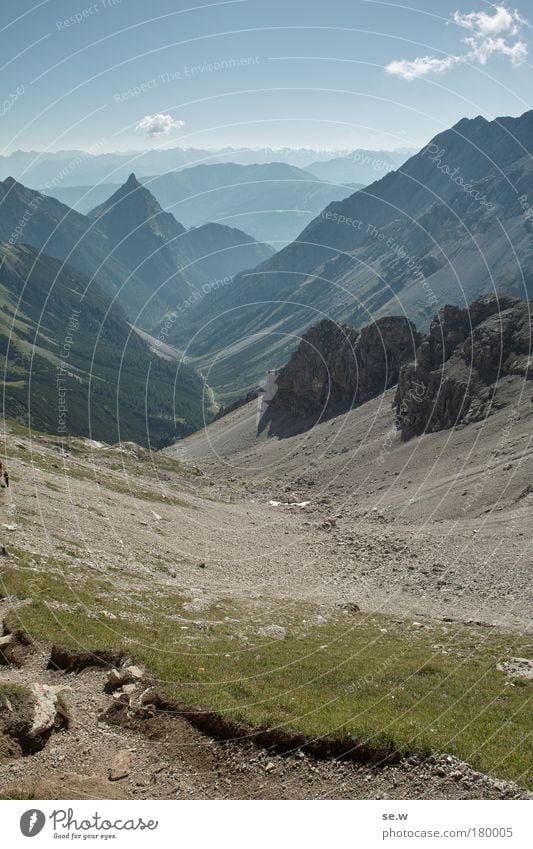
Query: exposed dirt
[15, 720]
[438, 527]
[167, 758]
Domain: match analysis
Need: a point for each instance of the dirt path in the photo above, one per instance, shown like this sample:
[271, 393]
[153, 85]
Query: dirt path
[169, 759]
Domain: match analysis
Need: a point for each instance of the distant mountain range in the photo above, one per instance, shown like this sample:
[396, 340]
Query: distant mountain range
[453, 222]
[270, 198]
[51, 171]
[172, 261]
[359, 166]
[273, 201]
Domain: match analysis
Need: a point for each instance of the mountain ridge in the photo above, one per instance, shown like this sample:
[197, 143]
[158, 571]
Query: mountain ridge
[424, 235]
[138, 252]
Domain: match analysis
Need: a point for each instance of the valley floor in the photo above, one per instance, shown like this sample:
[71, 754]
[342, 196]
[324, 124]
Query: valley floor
[233, 566]
[437, 526]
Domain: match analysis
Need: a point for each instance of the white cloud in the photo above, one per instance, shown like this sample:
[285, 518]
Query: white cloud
[483, 23]
[421, 67]
[157, 125]
[491, 34]
[481, 51]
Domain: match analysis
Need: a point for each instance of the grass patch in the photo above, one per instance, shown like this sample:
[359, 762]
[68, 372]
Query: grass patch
[435, 689]
[28, 795]
[12, 691]
[103, 473]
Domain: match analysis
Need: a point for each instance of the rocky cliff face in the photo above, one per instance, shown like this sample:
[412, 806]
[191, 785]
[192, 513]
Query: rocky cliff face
[455, 375]
[336, 363]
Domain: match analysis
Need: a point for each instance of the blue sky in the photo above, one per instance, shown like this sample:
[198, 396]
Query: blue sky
[122, 74]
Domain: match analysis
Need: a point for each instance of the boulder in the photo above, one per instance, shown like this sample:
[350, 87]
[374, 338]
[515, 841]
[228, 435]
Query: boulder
[118, 677]
[120, 765]
[47, 706]
[274, 632]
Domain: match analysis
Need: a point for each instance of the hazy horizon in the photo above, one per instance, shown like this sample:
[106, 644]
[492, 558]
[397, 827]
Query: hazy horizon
[240, 73]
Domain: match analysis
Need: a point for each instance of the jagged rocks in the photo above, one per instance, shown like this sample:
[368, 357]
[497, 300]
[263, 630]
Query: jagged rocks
[447, 378]
[455, 374]
[337, 363]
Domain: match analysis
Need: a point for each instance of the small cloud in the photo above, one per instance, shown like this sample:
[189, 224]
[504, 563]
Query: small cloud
[421, 67]
[159, 125]
[491, 34]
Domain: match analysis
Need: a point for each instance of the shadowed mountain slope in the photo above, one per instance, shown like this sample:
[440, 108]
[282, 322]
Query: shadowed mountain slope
[72, 366]
[450, 224]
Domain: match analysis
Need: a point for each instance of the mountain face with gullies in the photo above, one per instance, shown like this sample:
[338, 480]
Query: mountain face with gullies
[30, 217]
[132, 261]
[137, 252]
[73, 366]
[135, 224]
[157, 248]
[146, 241]
[452, 223]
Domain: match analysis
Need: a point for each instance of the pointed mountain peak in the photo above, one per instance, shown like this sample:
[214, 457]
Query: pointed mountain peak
[131, 198]
[132, 182]
[131, 206]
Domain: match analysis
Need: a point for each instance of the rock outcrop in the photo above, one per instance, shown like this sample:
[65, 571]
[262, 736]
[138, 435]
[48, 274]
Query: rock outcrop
[336, 363]
[454, 377]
